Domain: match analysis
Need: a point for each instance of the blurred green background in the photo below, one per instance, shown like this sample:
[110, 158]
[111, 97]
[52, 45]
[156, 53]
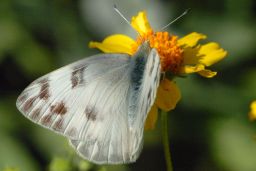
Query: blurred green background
[209, 130]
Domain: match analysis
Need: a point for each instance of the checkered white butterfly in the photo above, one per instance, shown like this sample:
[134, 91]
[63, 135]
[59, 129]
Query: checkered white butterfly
[99, 103]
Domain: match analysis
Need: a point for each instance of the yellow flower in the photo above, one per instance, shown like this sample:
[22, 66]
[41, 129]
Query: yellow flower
[252, 113]
[179, 56]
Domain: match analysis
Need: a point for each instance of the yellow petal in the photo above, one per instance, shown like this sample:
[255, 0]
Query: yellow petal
[188, 69]
[191, 55]
[207, 73]
[140, 23]
[252, 113]
[151, 118]
[168, 95]
[211, 53]
[191, 39]
[197, 58]
[117, 43]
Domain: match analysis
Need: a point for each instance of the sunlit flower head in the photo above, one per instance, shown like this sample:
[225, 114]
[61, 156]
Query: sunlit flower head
[252, 113]
[179, 56]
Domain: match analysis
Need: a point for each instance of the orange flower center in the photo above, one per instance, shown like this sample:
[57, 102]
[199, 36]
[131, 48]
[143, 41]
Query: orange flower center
[166, 45]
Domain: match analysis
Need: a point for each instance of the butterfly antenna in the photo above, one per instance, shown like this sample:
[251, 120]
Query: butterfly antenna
[118, 11]
[184, 13]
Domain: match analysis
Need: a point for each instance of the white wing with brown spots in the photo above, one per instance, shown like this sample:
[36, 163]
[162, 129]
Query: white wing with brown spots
[98, 103]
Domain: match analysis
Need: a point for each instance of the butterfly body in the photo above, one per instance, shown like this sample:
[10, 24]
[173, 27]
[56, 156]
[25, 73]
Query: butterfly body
[99, 103]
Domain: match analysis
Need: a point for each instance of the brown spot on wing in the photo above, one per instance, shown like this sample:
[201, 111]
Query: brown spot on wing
[77, 76]
[35, 114]
[47, 120]
[149, 93]
[156, 76]
[152, 67]
[90, 113]
[28, 104]
[22, 98]
[44, 91]
[74, 81]
[59, 108]
[58, 125]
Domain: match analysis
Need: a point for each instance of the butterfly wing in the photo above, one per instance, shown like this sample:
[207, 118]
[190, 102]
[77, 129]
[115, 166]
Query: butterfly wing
[74, 100]
[89, 102]
[143, 92]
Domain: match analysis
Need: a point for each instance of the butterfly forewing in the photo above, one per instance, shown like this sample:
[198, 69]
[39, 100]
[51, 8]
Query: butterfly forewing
[65, 99]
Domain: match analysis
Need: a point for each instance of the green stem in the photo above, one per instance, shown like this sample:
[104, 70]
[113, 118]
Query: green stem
[168, 159]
